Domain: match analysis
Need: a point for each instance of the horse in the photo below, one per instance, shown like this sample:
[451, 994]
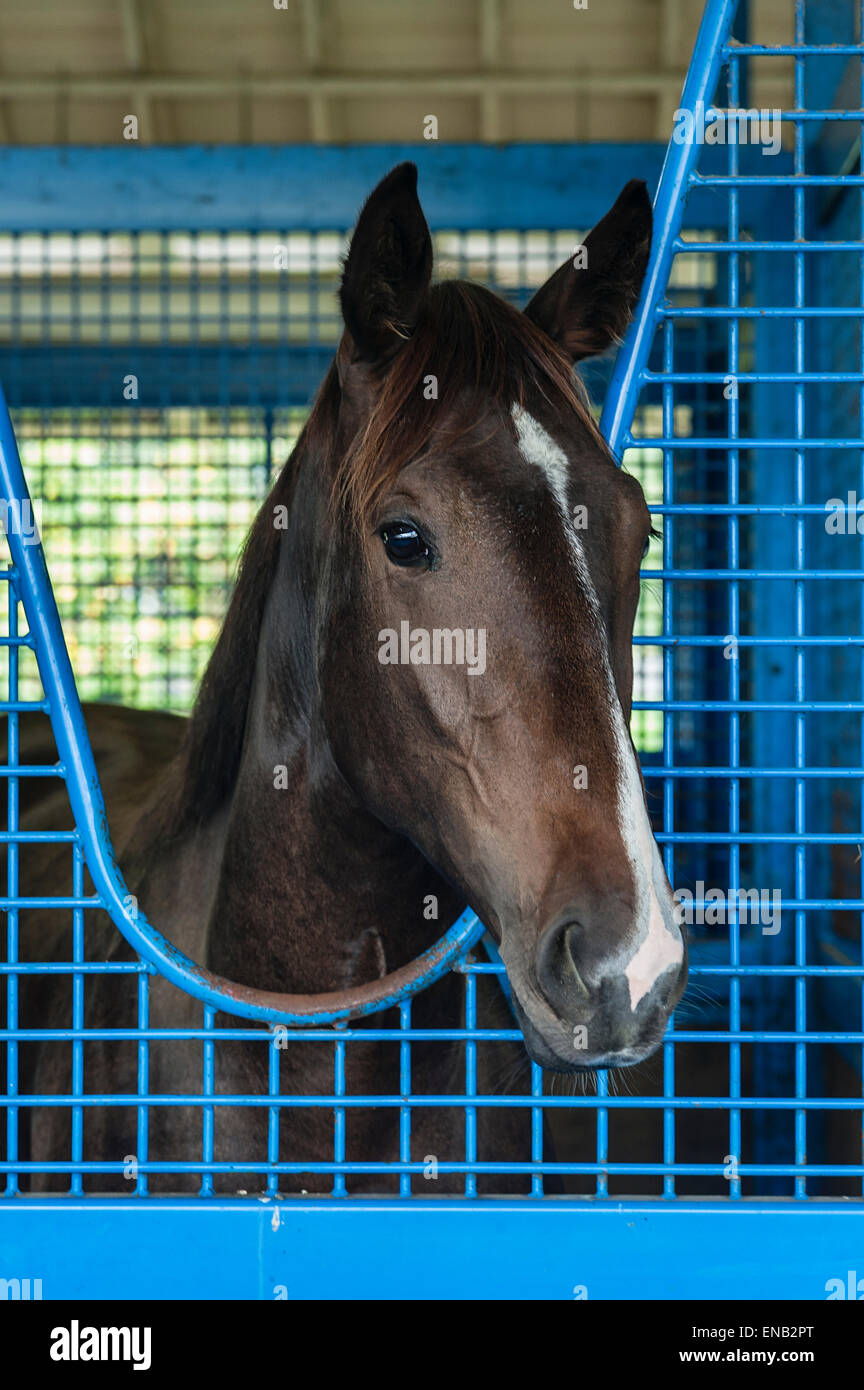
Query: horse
[419, 698]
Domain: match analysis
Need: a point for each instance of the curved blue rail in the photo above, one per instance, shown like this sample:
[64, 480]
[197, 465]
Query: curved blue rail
[678, 166]
[88, 806]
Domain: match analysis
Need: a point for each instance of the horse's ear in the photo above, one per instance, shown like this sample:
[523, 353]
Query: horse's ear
[388, 267]
[588, 302]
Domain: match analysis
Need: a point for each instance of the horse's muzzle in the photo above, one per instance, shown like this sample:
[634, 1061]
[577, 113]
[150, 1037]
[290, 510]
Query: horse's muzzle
[584, 1010]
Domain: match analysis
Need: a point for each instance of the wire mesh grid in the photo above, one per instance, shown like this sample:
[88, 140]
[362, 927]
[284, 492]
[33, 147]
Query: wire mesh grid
[750, 423]
[773, 736]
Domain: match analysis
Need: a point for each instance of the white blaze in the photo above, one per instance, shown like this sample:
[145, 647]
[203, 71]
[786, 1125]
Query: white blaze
[658, 948]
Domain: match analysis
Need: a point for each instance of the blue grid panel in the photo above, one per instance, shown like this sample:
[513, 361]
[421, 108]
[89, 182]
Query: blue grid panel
[778, 444]
[775, 1057]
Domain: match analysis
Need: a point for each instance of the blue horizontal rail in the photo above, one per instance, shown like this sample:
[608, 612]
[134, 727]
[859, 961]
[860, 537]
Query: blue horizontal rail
[330, 1168]
[539, 185]
[451, 1100]
[217, 375]
[342, 1248]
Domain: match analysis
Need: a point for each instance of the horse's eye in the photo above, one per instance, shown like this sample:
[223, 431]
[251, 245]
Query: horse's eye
[404, 543]
[646, 547]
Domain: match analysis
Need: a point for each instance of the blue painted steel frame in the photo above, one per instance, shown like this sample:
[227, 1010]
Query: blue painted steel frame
[380, 1249]
[339, 1248]
[311, 188]
[318, 188]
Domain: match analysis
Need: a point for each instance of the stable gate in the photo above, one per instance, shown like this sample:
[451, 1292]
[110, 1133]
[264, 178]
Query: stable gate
[739, 1169]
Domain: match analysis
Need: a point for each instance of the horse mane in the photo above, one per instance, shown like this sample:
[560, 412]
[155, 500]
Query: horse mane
[213, 744]
[472, 342]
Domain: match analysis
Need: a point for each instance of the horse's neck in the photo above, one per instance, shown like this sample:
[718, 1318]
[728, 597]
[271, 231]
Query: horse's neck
[313, 893]
[293, 885]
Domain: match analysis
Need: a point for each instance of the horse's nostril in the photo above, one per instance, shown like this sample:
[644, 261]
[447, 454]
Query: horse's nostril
[572, 941]
[558, 963]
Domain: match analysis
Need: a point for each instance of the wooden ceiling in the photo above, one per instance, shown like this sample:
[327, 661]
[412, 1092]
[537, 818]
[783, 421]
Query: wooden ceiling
[347, 71]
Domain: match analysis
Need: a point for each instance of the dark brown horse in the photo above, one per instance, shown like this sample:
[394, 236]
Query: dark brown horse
[420, 698]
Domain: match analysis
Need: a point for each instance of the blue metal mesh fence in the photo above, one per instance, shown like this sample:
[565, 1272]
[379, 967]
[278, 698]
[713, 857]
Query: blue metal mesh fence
[749, 698]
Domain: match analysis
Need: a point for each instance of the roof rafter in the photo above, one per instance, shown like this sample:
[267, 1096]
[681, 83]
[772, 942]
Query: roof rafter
[670, 41]
[313, 24]
[490, 56]
[133, 46]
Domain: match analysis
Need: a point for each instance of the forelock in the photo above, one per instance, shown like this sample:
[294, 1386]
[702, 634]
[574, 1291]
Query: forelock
[470, 352]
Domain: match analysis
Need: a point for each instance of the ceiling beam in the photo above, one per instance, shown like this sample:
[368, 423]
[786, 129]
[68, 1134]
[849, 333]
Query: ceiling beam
[346, 84]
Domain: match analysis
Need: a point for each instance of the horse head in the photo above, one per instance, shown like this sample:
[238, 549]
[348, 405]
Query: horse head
[471, 582]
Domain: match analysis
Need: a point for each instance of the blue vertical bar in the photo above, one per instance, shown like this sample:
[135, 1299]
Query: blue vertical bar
[207, 1116]
[470, 1083]
[273, 1113]
[142, 1147]
[339, 1147]
[668, 606]
[536, 1129]
[405, 1093]
[669, 1118]
[733, 498]
[12, 892]
[602, 1123]
[800, 623]
[740, 33]
[77, 1015]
